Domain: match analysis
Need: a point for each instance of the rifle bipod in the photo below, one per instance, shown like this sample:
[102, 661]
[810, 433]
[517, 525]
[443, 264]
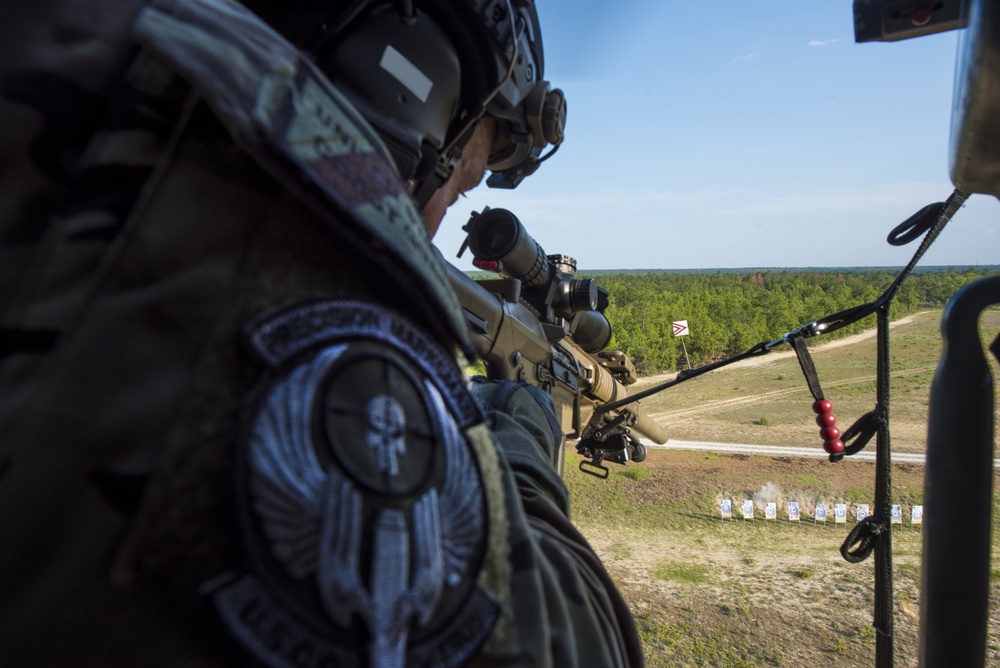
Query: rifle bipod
[620, 448]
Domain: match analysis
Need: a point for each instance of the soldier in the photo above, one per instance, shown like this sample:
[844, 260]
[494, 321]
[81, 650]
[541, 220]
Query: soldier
[233, 425]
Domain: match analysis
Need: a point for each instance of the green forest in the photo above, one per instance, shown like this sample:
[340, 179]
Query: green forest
[728, 313]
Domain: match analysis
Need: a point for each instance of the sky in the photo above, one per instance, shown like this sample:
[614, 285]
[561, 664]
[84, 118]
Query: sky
[733, 134]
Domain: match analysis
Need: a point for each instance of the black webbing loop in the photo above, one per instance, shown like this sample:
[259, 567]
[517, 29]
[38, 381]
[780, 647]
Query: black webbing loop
[945, 212]
[915, 225]
[864, 534]
[806, 363]
[931, 219]
[861, 432]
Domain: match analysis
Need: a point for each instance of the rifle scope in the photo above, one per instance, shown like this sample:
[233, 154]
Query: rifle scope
[500, 243]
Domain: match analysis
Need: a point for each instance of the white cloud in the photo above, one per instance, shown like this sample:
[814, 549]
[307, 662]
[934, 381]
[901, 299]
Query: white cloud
[824, 42]
[754, 51]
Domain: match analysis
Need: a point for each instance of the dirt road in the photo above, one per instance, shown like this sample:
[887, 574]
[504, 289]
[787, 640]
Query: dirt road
[773, 356]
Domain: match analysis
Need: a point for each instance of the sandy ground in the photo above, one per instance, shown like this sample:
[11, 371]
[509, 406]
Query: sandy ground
[767, 593]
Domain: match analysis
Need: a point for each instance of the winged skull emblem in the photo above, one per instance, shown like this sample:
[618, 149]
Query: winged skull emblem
[313, 516]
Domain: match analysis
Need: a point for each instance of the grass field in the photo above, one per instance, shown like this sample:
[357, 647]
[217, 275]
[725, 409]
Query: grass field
[710, 593]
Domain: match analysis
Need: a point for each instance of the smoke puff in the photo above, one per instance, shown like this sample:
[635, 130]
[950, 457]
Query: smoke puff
[769, 493]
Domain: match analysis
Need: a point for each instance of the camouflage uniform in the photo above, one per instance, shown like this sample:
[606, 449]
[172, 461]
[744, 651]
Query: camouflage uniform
[233, 426]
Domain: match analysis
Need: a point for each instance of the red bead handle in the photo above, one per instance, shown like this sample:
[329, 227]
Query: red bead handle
[828, 430]
[829, 433]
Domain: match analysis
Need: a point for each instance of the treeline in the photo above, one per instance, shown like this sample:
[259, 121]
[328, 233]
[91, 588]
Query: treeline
[729, 313]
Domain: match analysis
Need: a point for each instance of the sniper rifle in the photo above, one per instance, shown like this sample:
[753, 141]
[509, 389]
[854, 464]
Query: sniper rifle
[539, 325]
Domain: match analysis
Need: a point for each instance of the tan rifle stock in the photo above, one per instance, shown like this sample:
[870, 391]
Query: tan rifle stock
[515, 345]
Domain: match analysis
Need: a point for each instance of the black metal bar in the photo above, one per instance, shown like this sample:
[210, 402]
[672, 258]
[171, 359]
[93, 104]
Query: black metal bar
[958, 489]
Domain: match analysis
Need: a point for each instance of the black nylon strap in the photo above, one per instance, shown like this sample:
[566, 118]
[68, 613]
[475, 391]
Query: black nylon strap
[915, 225]
[806, 363]
[864, 535]
[884, 598]
[863, 429]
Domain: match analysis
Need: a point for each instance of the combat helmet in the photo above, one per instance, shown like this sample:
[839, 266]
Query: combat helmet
[424, 71]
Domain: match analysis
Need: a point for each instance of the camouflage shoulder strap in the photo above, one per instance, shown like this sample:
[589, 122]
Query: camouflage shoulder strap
[280, 108]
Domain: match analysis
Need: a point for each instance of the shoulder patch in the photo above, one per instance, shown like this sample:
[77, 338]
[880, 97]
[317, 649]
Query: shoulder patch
[363, 512]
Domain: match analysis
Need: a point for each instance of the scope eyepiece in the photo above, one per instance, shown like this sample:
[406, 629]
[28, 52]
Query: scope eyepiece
[497, 235]
[499, 241]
